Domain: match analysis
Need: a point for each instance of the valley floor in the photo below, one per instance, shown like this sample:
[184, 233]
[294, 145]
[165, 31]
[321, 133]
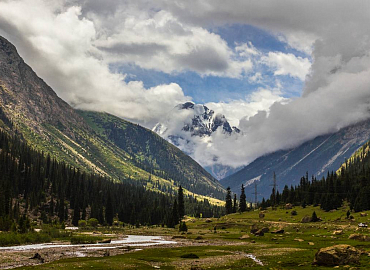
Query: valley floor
[224, 243]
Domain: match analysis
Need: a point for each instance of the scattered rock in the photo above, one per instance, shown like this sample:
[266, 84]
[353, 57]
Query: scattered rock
[294, 213]
[261, 215]
[363, 214]
[337, 255]
[208, 220]
[338, 232]
[106, 254]
[198, 237]
[253, 241]
[311, 243]
[306, 219]
[245, 236]
[359, 237]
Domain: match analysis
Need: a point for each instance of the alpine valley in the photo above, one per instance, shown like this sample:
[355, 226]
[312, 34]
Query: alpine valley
[94, 142]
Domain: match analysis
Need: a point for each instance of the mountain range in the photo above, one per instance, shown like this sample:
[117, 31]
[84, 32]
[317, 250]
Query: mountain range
[187, 125]
[317, 157]
[92, 141]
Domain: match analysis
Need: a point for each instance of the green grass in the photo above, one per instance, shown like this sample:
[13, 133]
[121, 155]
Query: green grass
[13, 239]
[223, 248]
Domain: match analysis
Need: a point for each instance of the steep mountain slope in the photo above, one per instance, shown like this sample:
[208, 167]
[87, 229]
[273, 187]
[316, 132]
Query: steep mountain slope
[31, 109]
[189, 124]
[317, 157]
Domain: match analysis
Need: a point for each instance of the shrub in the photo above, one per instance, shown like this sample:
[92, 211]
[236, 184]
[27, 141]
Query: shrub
[93, 222]
[84, 239]
[82, 223]
[183, 227]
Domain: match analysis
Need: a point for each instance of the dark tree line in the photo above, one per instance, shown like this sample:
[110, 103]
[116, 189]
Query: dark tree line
[31, 182]
[232, 206]
[352, 184]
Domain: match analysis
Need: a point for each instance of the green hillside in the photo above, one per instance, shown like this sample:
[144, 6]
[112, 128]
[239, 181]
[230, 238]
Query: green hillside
[93, 142]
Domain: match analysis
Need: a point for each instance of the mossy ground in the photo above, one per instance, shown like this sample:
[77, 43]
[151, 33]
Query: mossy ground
[223, 249]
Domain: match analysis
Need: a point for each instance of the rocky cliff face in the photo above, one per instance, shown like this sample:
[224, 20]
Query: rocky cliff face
[24, 95]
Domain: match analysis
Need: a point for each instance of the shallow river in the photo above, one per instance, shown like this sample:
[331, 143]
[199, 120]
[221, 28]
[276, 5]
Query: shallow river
[131, 240]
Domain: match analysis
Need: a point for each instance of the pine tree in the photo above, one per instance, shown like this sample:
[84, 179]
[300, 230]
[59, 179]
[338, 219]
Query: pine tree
[235, 204]
[229, 203]
[175, 213]
[109, 210]
[243, 200]
[181, 205]
[314, 217]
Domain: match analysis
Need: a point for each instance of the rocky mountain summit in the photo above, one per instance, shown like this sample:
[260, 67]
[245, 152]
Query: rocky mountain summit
[186, 123]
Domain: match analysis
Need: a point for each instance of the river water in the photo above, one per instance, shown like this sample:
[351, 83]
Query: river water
[131, 240]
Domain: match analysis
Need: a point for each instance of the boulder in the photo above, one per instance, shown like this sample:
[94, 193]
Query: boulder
[359, 237]
[259, 233]
[338, 232]
[288, 206]
[363, 214]
[37, 256]
[306, 219]
[208, 220]
[337, 255]
[281, 231]
[265, 229]
[245, 236]
[299, 240]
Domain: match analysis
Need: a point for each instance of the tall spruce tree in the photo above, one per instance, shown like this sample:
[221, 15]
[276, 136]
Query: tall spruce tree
[181, 205]
[243, 200]
[235, 204]
[229, 203]
[109, 210]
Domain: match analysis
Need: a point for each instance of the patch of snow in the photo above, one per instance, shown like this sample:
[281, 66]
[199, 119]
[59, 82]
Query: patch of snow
[251, 181]
[299, 161]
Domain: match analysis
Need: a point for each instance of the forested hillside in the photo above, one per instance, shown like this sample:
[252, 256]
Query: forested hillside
[37, 186]
[123, 151]
[351, 183]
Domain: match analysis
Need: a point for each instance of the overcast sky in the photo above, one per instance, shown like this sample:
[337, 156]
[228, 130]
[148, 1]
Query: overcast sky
[283, 71]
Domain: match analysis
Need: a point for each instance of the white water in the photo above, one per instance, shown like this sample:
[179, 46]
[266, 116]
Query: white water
[131, 240]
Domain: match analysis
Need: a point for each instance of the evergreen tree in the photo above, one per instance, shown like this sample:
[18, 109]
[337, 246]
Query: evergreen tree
[109, 210]
[229, 203]
[180, 197]
[235, 204]
[175, 213]
[314, 217]
[243, 200]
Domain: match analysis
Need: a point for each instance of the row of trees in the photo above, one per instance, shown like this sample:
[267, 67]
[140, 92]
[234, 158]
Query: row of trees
[31, 182]
[232, 205]
[352, 184]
